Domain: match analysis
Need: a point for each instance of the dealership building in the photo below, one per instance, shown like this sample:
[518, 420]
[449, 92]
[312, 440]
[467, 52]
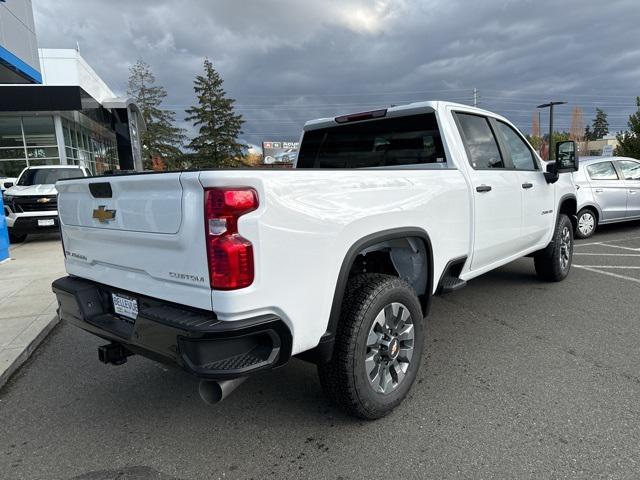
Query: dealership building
[55, 109]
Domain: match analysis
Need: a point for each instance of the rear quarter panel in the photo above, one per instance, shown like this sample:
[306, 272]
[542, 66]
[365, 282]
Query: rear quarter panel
[308, 220]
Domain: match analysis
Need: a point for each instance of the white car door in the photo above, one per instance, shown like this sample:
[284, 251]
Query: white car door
[631, 172]
[538, 199]
[496, 192]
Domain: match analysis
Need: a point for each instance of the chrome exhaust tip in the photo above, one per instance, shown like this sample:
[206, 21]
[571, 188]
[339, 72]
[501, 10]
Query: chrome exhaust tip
[212, 391]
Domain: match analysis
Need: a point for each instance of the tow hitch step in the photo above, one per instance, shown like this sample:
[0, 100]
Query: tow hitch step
[114, 354]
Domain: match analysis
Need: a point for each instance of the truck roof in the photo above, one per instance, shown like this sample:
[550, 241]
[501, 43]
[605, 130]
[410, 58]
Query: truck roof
[35, 167]
[403, 110]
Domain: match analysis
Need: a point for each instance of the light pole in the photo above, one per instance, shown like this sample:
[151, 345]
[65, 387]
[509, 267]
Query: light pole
[550, 107]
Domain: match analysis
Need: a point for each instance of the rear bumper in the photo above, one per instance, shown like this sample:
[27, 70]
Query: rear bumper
[193, 339]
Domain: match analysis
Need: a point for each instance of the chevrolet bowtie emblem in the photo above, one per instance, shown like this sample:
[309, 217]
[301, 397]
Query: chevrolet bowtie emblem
[43, 200]
[103, 215]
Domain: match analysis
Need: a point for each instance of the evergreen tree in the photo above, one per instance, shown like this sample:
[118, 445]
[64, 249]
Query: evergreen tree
[600, 125]
[162, 139]
[216, 144]
[629, 141]
[588, 134]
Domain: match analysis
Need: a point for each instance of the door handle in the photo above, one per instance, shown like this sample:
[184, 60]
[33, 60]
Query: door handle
[632, 191]
[483, 188]
[527, 185]
[598, 190]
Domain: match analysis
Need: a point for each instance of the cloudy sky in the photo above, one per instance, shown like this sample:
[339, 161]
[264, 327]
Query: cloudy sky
[287, 61]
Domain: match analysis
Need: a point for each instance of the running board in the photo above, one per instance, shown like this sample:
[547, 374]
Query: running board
[451, 284]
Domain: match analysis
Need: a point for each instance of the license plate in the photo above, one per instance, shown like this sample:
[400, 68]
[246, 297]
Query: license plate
[125, 306]
[47, 222]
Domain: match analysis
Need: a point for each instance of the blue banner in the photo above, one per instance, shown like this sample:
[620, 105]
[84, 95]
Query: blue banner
[4, 234]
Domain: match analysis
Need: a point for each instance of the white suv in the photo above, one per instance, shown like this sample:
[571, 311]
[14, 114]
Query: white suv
[31, 204]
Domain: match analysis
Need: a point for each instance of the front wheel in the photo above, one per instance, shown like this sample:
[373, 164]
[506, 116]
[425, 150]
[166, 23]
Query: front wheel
[378, 347]
[554, 262]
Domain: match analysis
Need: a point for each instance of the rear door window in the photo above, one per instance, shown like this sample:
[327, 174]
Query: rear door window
[410, 140]
[481, 144]
[602, 171]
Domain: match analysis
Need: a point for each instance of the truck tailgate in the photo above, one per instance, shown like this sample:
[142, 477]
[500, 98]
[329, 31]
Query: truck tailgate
[152, 205]
[141, 233]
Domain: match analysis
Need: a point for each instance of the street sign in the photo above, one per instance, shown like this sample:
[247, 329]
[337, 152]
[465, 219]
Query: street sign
[607, 151]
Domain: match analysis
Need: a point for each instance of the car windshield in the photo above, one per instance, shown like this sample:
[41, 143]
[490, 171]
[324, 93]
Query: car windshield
[47, 176]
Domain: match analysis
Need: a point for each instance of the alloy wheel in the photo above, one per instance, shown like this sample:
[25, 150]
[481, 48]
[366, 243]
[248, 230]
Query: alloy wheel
[565, 248]
[390, 346]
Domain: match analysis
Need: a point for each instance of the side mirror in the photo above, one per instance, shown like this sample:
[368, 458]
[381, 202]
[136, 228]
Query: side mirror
[8, 184]
[566, 157]
[552, 175]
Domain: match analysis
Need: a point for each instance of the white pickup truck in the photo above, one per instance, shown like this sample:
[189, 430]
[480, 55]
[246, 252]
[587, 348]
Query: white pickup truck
[30, 202]
[230, 272]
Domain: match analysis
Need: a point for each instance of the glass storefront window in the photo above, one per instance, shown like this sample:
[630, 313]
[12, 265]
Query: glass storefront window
[39, 131]
[45, 161]
[74, 140]
[67, 134]
[88, 147]
[10, 132]
[11, 153]
[42, 152]
[12, 168]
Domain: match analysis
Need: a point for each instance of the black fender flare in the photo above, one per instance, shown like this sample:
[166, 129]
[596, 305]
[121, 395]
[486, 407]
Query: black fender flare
[564, 198]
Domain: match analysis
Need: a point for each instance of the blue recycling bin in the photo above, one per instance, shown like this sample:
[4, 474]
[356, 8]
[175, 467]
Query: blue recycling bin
[4, 234]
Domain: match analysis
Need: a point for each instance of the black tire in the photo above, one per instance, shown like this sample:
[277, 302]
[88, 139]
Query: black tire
[345, 379]
[17, 237]
[554, 262]
[586, 218]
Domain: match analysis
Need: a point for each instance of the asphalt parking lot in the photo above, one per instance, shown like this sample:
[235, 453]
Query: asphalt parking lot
[522, 379]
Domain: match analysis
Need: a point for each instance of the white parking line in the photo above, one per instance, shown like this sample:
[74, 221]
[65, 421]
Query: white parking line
[610, 274]
[608, 254]
[620, 246]
[608, 241]
[609, 266]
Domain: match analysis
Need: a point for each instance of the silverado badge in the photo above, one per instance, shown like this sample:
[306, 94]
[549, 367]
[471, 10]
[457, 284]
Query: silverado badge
[103, 215]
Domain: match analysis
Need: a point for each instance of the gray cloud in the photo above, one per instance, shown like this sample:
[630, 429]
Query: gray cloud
[288, 61]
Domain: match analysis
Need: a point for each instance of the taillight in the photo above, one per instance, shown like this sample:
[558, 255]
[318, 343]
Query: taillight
[230, 255]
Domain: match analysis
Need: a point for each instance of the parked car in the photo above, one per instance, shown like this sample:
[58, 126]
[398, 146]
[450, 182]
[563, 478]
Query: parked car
[608, 192]
[30, 205]
[334, 261]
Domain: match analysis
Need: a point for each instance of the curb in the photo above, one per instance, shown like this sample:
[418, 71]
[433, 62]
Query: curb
[27, 352]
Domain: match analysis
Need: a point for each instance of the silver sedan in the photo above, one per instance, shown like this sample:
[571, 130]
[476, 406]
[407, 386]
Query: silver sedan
[608, 192]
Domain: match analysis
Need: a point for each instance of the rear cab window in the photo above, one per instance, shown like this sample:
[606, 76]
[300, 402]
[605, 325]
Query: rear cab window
[387, 142]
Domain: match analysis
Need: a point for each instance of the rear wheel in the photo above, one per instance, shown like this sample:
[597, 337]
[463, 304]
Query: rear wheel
[554, 262]
[379, 344]
[587, 223]
[17, 237]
